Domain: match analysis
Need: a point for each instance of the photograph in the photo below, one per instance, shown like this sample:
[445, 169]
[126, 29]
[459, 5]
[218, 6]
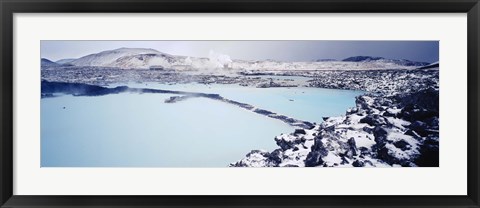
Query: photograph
[239, 103]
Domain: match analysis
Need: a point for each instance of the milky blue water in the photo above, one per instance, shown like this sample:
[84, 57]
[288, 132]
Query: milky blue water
[140, 130]
[305, 103]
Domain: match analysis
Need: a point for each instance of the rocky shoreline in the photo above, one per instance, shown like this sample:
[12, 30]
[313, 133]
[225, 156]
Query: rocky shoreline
[102, 76]
[396, 123]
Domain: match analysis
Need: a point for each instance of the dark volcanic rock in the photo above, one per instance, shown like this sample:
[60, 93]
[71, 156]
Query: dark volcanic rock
[367, 129]
[275, 157]
[426, 99]
[270, 159]
[263, 112]
[364, 150]
[412, 133]
[429, 153]
[288, 141]
[314, 158]
[420, 128]
[380, 135]
[415, 113]
[374, 120]
[384, 154]
[389, 113]
[433, 122]
[352, 150]
[358, 163]
[362, 103]
[290, 165]
[402, 144]
[299, 131]
[79, 89]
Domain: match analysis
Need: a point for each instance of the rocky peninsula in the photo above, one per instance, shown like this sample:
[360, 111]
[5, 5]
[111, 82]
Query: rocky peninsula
[396, 123]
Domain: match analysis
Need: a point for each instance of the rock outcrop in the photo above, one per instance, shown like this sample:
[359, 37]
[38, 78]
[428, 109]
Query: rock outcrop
[388, 127]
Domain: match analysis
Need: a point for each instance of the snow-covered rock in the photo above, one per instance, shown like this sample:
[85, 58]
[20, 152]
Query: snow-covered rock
[384, 129]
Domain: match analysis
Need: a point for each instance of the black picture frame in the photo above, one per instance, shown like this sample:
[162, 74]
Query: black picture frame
[9, 7]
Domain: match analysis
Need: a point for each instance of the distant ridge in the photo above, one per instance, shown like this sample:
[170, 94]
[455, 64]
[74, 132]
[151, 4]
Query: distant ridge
[325, 60]
[402, 62]
[47, 63]
[362, 58]
[146, 58]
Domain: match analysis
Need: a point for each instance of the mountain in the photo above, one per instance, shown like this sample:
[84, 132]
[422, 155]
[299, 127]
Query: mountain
[361, 58]
[139, 58]
[325, 60]
[47, 63]
[106, 58]
[145, 61]
[64, 61]
[142, 58]
[401, 62]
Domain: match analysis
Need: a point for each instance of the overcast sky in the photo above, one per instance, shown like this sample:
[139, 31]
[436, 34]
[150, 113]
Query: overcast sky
[255, 50]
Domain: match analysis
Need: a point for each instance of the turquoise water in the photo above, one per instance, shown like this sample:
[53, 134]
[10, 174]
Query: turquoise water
[305, 103]
[140, 130]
